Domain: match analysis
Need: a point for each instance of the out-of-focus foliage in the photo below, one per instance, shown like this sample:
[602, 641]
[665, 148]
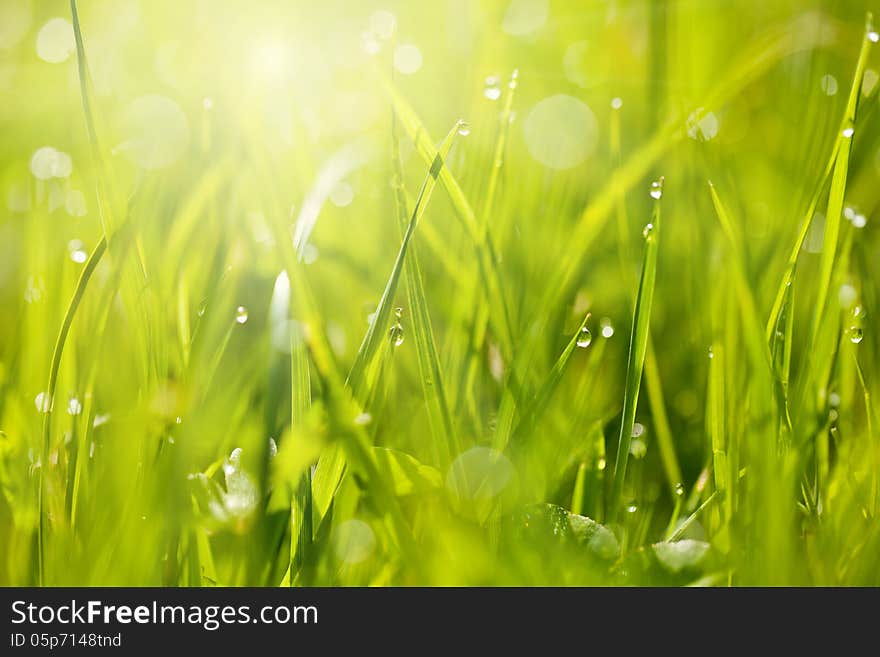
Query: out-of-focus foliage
[317, 352]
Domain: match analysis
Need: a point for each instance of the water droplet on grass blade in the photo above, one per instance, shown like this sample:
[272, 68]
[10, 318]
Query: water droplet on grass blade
[648, 230]
[848, 132]
[584, 338]
[43, 403]
[616, 103]
[829, 84]
[855, 334]
[74, 406]
[47, 163]
[77, 252]
[873, 36]
[607, 328]
[679, 489]
[241, 315]
[395, 334]
[702, 125]
[632, 507]
[637, 448]
[75, 203]
[492, 90]
[656, 191]
[464, 128]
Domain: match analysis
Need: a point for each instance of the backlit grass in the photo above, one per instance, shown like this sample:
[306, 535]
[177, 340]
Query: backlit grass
[489, 293]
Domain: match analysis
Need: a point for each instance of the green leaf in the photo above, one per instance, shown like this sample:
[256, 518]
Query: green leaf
[686, 554]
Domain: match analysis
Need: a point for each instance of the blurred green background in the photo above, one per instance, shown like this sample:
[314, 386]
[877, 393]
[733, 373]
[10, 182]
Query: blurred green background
[227, 128]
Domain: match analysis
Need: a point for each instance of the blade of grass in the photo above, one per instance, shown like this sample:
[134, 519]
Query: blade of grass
[359, 378]
[636, 359]
[443, 428]
[828, 257]
[481, 238]
[532, 414]
[665, 443]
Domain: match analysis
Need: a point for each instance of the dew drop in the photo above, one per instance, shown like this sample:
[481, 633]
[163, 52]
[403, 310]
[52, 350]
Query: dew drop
[616, 103]
[600, 464]
[46, 163]
[855, 334]
[585, 338]
[241, 315]
[702, 125]
[829, 85]
[657, 189]
[632, 507]
[848, 132]
[74, 406]
[273, 448]
[648, 230]
[711, 353]
[492, 90]
[637, 448]
[396, 334]
[43, 403]
[607, 328]
[464, 128]
[873, 36]
[679, 489]
[75, 203]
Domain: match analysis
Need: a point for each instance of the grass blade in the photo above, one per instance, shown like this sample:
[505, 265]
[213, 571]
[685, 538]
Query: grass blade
[440, 417]
[638, 344]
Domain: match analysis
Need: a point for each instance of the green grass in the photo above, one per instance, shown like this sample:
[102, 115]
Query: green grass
[297, 337]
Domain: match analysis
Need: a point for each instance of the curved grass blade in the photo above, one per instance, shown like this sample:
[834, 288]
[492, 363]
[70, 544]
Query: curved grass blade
[838, 186]
[84, 278]
[638, 344]
[439, 416]
[665, 443]
[358, 379]
[532, 414]
[331, 464]
[482, 239]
